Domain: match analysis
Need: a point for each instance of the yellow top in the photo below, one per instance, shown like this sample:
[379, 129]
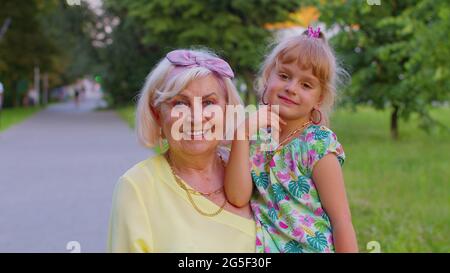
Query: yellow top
[151, 213]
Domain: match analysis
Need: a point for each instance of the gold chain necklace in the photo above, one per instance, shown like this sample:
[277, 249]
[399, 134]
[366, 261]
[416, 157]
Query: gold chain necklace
[188, 191]
[288, 138]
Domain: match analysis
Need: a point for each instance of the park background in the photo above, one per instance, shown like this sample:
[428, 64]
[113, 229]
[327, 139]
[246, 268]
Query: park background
[392, 118]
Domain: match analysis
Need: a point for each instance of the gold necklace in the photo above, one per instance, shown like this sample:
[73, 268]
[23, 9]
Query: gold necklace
[288, 138]
[188, 191]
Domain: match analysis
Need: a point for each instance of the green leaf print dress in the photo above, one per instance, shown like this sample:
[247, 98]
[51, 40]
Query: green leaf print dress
[288, 212]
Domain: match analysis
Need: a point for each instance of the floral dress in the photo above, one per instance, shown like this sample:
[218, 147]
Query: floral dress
[286, 205]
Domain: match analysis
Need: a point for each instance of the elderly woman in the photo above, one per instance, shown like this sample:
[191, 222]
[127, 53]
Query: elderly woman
[174, 202]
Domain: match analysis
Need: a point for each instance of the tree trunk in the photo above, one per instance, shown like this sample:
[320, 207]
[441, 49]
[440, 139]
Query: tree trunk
[45, 89]
[394, 123]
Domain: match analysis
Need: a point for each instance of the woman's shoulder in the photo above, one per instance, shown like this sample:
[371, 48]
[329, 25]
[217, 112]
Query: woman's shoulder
[144, 172]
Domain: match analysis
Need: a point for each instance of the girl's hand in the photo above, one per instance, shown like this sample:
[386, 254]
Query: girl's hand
[256, 120]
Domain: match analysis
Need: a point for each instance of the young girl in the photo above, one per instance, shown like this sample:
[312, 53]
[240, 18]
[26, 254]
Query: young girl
[299, 201]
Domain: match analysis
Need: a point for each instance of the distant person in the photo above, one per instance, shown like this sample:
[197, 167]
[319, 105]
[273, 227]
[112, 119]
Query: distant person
[33, 97]
[77, 97]
[30, 98]
[26, 98]
[83, 93]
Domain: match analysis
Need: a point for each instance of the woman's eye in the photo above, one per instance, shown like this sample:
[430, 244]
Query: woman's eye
[179, 102]
[208, 102]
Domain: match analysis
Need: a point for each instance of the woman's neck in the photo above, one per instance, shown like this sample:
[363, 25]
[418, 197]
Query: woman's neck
[203, 164]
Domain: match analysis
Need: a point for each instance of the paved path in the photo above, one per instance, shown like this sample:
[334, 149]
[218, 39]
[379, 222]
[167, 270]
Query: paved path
[57, 174]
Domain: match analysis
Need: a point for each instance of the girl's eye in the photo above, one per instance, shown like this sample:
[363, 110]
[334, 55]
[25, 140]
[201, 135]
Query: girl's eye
[283, 76]
[307, 85]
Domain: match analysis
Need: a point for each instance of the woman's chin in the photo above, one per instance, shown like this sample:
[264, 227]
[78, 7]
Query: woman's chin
[196, 147]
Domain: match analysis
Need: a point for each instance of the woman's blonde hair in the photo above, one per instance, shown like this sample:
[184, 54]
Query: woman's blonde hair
[161, 85]
[307, 52]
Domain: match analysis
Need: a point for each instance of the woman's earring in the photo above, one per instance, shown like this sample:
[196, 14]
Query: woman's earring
[315, 121]
[161, 144]
[263, 95]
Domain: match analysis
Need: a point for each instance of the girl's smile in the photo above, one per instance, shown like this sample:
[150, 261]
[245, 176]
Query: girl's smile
[286, 100]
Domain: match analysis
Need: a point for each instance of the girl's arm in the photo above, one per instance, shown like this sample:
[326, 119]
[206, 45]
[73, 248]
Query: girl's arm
[327, 175]
[238, 181]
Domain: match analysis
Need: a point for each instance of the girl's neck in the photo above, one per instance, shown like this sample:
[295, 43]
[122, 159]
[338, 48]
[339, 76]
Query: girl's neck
[291, 126]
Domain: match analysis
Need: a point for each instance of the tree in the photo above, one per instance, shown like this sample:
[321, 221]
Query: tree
[24, 46]
[234, 29]
[387, 49]
[73, 31]
[126, 59]
[427, 69]
[45, 34]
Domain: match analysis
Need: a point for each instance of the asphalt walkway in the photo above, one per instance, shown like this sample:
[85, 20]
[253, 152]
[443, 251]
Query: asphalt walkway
[57, 174]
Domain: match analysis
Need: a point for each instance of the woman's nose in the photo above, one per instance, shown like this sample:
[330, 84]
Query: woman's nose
[197, 117]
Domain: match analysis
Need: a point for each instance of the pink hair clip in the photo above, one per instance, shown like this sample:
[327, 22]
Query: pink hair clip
[313, 33]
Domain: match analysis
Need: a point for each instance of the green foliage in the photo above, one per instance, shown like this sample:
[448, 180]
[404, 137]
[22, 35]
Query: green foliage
[24, 45]
[397, 53]
[71, 29]
[234, 29]
[126, 60]
[45, 34]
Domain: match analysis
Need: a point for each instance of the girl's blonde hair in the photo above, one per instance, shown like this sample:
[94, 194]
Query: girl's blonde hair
[160, 86]
[307, 52]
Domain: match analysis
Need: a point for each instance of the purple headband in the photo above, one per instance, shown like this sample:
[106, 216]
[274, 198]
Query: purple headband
[313, 33]
[188, 59]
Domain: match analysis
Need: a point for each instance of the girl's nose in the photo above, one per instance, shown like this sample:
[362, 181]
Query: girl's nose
[290, 87]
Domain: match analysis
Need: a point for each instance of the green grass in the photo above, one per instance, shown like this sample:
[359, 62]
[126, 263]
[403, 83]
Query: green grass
[399, 191]
[12, 116]
[127, 113]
